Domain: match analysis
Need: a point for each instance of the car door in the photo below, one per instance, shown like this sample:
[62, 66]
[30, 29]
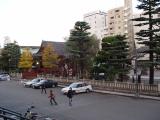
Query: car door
[79, 88]
[84, 87]
[46, 84]
[50, 83]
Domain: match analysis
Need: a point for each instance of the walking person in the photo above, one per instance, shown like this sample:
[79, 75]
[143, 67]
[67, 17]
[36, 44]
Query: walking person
[52, 98]
[43, 88]
[70, 95]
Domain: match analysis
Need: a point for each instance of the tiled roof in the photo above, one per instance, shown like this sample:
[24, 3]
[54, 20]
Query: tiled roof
[59, 47]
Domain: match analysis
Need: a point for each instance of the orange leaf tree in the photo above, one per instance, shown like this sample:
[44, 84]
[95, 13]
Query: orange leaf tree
[49, 57]
[26, 59]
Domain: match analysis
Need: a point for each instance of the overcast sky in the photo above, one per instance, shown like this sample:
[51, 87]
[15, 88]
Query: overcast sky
[31, 21]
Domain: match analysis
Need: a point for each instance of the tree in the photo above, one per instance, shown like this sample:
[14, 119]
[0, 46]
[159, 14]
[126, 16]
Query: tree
[113, 58]
[149, 37]
[49, 57]
[81, 46]
[26, 59]
[10, 56]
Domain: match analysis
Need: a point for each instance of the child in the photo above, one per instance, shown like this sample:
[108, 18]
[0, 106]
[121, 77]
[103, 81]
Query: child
[70, 95]
[52, 98]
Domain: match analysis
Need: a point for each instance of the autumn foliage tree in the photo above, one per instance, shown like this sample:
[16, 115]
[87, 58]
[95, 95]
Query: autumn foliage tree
[26, 59]
[49, 57]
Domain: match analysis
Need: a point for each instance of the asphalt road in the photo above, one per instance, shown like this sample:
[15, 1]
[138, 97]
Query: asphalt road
[92, 106]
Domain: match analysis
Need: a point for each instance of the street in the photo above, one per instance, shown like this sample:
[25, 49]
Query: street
[87, 106]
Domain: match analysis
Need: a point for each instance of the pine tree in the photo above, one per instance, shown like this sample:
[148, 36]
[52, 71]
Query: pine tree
[80, 44]
[149, 37]
[113, 58]
[10, 56]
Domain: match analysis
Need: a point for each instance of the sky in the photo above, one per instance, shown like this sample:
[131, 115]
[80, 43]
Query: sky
[31, 21]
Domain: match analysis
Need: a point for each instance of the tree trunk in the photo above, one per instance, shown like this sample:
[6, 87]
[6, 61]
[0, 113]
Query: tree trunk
[151, 76]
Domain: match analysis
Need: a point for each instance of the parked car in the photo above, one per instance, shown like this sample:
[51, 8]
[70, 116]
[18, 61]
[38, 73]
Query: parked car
[31, 82]
[77, 87]
[46, 83]
[4, 77]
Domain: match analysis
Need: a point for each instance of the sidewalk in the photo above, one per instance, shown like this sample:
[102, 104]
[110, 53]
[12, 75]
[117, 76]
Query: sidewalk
[127, 95]
[123, 94]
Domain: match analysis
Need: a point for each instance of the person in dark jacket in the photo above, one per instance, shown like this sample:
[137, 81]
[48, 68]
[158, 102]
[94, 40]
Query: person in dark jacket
[43, 88]
[52, 98]
[70, 95]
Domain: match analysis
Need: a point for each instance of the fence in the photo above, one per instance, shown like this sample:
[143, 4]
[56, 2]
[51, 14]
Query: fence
[7, 114]
[126, 87]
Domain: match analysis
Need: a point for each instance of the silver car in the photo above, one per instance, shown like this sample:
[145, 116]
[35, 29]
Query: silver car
[31, 82]
[77, 87]
[4, 77]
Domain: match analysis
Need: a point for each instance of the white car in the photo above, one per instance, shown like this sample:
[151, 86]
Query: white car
[4, 77]
[77, 87]
[31, 82]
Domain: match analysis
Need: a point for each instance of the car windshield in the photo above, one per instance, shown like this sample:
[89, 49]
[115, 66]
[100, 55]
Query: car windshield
[3, 74]
[73, 85]
[35, 80]
[42, 81]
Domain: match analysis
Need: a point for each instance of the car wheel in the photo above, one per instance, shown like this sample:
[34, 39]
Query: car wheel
[55, 85]
[87, 90]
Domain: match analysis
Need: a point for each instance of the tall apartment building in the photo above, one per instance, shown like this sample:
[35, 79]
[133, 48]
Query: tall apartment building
[98, 23]
[120, 23]
[115, 22]
[128, 24]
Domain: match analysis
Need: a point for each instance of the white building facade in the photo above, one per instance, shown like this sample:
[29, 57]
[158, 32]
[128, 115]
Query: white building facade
[98, 22]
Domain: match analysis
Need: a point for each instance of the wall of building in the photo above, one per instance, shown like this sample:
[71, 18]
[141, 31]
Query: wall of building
[115, 21]
[97, 21]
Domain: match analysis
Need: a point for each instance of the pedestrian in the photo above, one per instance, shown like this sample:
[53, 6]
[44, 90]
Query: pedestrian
[52, 98]
[43, 88]
[70, 95]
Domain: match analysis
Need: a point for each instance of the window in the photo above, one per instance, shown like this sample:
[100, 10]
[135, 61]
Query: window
[116, 10]
[84, 84]
[112, 17]
[79, 85]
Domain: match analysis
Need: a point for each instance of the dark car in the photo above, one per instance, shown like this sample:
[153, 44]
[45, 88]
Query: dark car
[46, 83]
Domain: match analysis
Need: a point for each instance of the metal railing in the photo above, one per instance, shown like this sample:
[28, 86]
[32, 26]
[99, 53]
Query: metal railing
[127, 87]
[7, 114]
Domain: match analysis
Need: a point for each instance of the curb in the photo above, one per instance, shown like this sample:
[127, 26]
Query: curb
[127, 95]
[123, 94]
